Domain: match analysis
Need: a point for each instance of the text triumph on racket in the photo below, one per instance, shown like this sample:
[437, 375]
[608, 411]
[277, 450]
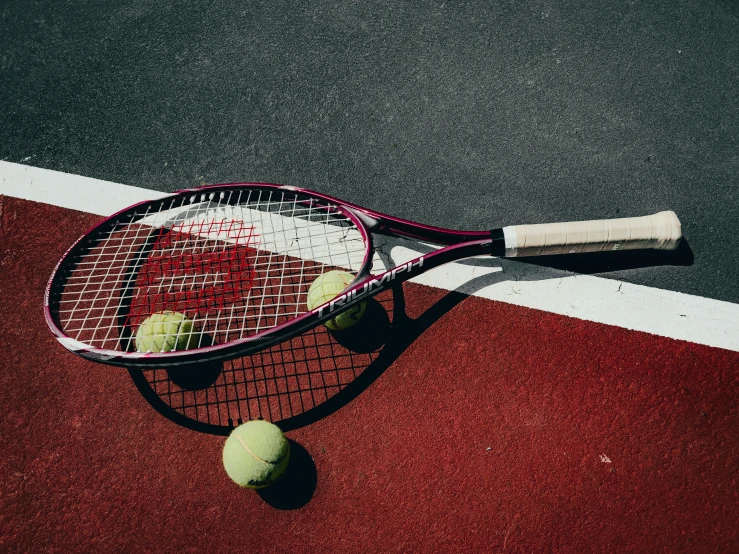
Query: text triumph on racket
[358, 293]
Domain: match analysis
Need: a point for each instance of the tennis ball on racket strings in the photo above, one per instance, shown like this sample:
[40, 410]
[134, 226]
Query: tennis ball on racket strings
[165, 332]
[327, 287]
[256, 454]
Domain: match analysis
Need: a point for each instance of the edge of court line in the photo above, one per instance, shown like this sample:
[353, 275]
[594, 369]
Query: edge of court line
[65, 190]
[660, 312]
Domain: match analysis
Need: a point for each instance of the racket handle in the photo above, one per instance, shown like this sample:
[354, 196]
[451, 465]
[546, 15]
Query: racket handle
[661, 231]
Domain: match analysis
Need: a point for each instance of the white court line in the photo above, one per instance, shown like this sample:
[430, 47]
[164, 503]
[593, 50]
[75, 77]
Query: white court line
[69, 191]
[659, 312]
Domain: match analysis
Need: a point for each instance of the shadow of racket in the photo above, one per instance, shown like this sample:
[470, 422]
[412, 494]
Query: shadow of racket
[292, 384]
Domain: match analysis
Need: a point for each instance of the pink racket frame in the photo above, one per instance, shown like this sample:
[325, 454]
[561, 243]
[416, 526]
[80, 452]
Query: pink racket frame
[457, 245]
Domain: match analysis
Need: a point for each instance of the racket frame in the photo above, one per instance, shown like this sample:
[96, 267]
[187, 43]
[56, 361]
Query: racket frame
[456, 245]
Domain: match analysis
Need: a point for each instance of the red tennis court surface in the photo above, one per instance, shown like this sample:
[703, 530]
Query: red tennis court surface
[500, 429]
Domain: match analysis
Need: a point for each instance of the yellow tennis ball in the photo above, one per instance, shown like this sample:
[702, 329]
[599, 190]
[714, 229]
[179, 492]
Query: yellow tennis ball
[256, 454]
[165, 332]
[327, 287]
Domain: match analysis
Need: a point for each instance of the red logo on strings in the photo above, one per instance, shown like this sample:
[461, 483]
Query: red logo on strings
[195, 268]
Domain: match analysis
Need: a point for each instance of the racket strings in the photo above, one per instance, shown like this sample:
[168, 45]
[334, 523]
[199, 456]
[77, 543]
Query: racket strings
[236, 262]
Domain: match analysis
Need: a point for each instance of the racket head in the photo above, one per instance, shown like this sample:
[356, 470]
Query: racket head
[237, 259]
[292, 384]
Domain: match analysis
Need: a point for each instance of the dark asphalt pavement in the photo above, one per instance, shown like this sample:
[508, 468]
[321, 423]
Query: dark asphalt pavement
[460, 114]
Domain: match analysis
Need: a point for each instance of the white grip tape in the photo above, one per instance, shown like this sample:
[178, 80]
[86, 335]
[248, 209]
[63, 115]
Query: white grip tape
[661, 231]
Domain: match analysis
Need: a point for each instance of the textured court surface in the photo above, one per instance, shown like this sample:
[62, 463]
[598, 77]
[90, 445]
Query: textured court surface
[526, 431]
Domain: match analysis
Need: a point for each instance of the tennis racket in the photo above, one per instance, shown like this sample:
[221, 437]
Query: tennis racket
[238, 260]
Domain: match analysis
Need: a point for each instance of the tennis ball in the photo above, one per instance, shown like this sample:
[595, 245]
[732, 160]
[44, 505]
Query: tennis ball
[329, 286]
[256, 454]
[165, 332]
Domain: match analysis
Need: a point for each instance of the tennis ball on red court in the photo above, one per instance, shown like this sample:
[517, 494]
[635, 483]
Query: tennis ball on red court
[256, 454]
[165, 332]
[327, 287]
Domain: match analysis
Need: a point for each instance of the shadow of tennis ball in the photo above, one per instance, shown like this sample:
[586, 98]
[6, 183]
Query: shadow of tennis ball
[369, 333]
[196, 376]
[297, 485]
